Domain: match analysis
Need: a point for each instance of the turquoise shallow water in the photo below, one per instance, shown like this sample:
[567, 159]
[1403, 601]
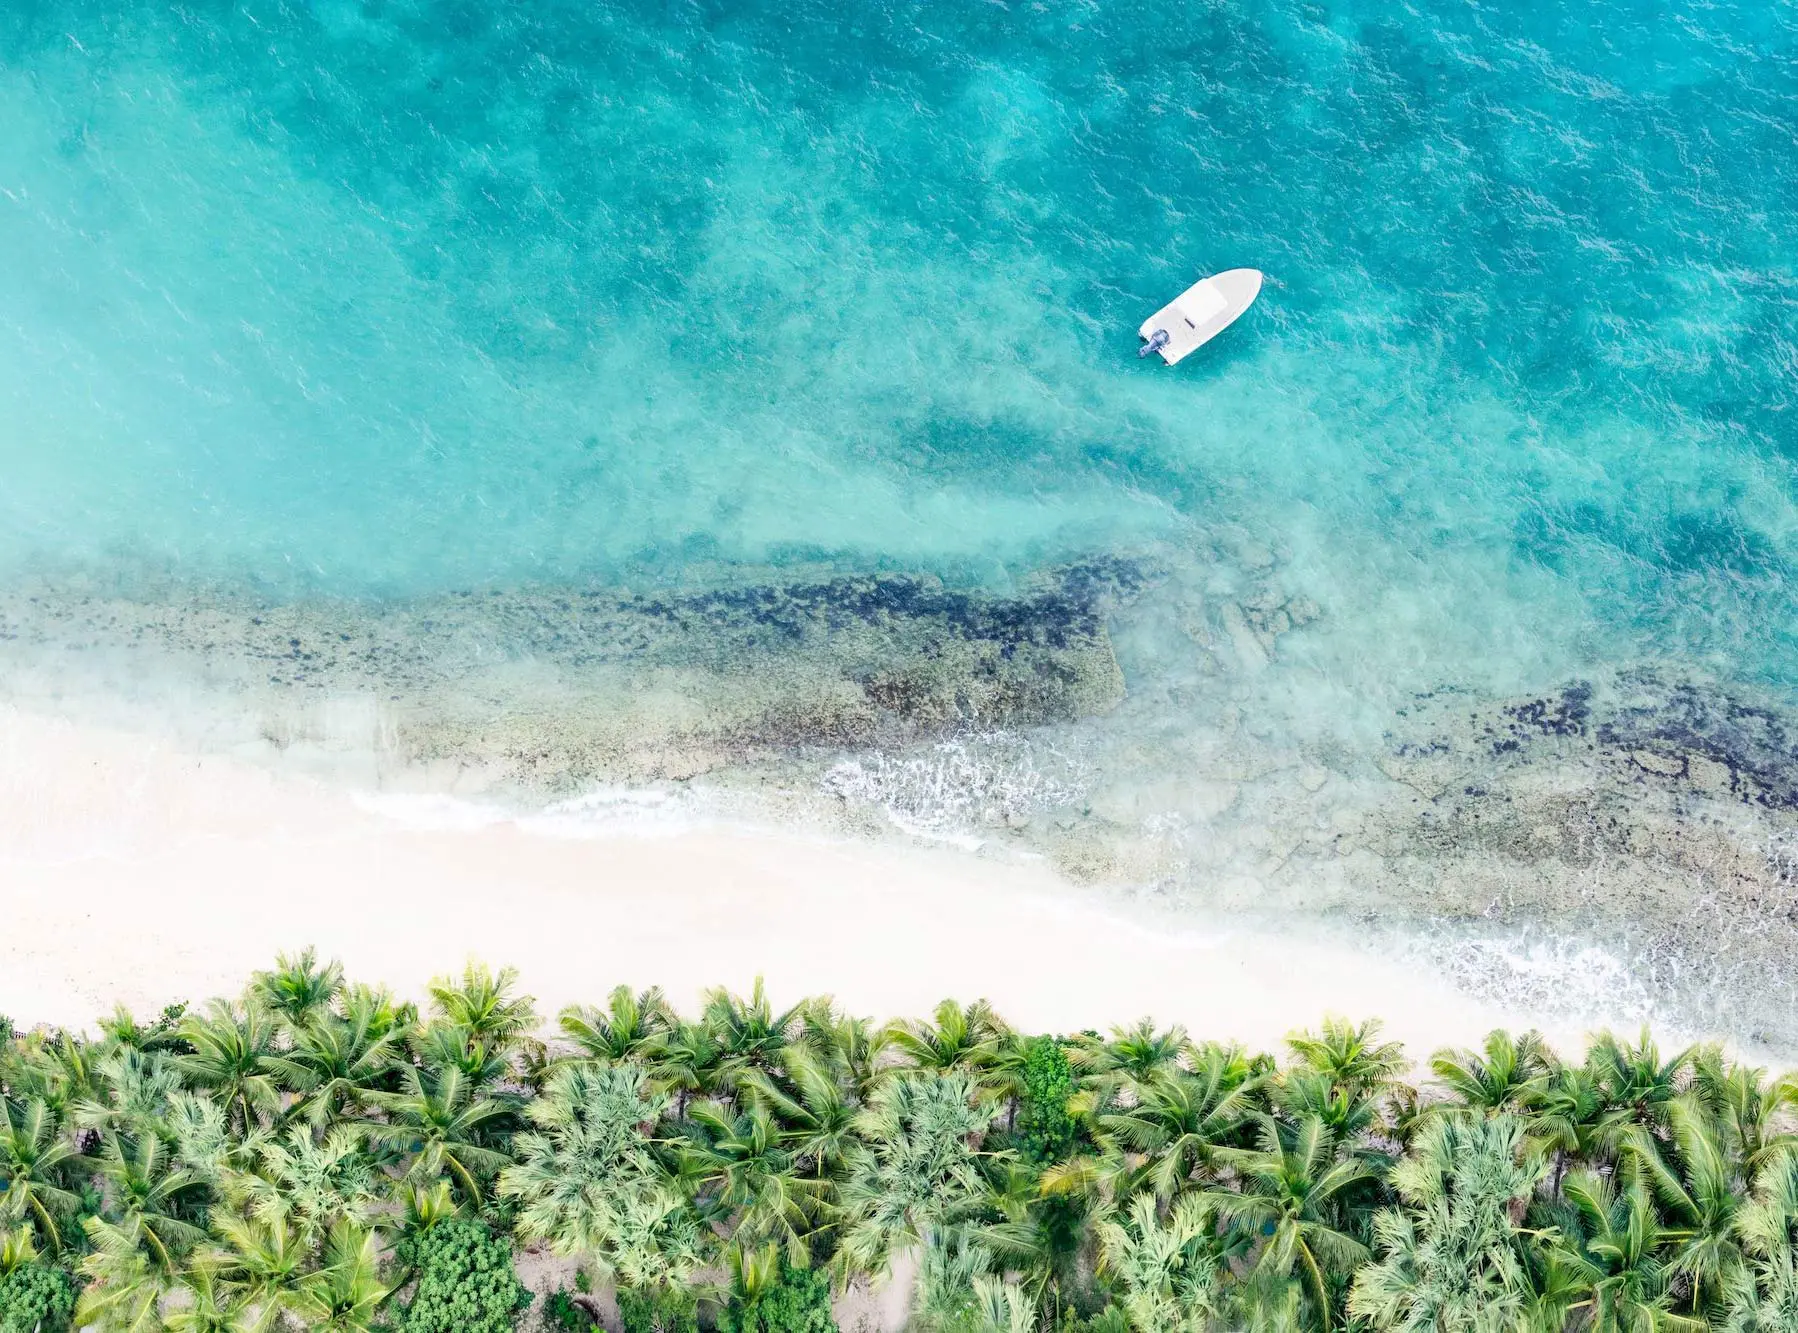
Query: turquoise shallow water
[399, 295]
[384, 299]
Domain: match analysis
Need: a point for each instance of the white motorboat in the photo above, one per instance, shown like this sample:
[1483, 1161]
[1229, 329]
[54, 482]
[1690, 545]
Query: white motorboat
[1199, 314]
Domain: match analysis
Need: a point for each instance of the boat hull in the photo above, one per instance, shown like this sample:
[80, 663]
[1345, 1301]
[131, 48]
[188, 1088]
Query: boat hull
[1201, 312]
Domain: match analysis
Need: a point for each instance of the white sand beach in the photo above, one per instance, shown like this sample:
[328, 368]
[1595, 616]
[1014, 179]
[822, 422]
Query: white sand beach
[135, 873]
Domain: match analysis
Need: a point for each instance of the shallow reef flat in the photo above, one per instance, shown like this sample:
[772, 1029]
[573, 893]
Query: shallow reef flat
[543, 690]
[1648, 808]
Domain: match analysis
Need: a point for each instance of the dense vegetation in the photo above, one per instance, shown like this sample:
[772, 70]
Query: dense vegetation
[318, 1154]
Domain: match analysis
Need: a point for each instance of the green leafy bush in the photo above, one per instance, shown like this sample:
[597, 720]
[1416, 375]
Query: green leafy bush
[1045, 1130]
[798, 1301]
[561, 1311]
[465, 1281]
[1109, 1320]
[657, 1312]
[35, 1297]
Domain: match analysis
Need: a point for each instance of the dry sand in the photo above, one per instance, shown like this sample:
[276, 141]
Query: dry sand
[135, 873]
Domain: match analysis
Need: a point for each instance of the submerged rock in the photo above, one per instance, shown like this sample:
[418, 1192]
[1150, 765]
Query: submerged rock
[1636, 809]
[1256, 623]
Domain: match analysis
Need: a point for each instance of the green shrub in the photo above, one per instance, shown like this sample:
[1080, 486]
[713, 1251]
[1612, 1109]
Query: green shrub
[1045, 1131]
[34, 1297]
[798, 1301]
[465, 1281]
[657, 1312]
[561, 1311]
[1109, 1320]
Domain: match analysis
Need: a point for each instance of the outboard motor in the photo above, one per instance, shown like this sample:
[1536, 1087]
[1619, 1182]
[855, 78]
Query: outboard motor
[1157, 341]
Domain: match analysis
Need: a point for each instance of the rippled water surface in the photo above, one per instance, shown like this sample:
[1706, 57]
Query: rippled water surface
[367, 304]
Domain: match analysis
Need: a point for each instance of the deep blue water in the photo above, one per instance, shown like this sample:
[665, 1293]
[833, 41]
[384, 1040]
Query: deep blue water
[388, 296]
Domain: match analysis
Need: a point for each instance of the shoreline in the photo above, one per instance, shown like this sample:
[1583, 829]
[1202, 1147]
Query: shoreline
[140, 874]
[1618, 841]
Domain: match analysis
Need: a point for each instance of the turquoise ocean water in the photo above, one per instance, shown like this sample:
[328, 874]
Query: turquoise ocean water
[370, 302]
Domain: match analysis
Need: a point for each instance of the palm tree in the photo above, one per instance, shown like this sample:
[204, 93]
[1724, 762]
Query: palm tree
[918, 1167]
[1556, 1281]
[126, 1285]
[1616, 1255]
[1752, 1113]
[1701, 1191]
[311, 1184]
[589, 1183]
[17, 1248]
[35, 1161]
[1290, 1189]
[266, 1263]
[660, 1247]
[1571, 1118]
[1267, 1302]
[1173, 1272]
[948, 1266]
[203, 1140]
[233, 1054]
[336, 1062]
[1130, 1058]
[1347, 1109]
[447, 1127]
[123, 1029]
[587, 1155]
[298, 989]
[132, 1092]
[426, 1207]
[1170, 1137]
[443, 1045]
[1508, 1075]
[57, 1071]
[817, 1118]
[483, 1004]
[152, 1195]
[1002, 1307]
[1452, 1259]
[849, 1047]
[345, 1294]
[626, 1029]
[1045, 1237]
[689, 1061]
[1635, 1080]
[1351, 1055]
[749, 1034]
[969, 1039]
[740, 1167]
[207, 1303]
[1764, 1298]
